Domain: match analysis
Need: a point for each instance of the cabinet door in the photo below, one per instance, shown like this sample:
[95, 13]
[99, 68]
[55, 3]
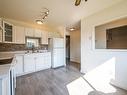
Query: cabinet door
[37, 33]
[39, 62]
[19, 65]
[1, 30]
[43, 61]
[29, 63]
[0, 35]
[44, 38]
[1, 23]
[8, 29]
[29, 32]
[19, 35]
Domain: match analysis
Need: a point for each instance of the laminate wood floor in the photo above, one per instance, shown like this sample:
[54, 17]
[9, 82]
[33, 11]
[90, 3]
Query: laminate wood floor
[54, 82]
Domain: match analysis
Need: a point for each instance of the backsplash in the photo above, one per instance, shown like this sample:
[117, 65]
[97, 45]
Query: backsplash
[17, 47]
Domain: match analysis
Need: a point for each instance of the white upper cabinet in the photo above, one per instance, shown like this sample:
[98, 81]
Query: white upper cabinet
[1, 23]
[19, 33]
[0, 35]
[29, 32]
[16, 34]
[37, 33]
[8, 32]
[0, 30]
[44, 39]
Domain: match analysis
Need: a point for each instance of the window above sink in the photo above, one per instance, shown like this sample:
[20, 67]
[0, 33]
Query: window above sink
[32, 42]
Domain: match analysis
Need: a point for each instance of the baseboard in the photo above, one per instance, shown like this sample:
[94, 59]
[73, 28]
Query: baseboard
[83, 71]
[118, 84]
[75, 60]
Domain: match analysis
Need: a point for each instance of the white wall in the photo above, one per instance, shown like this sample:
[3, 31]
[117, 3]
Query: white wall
[100, 38]
[75, 46]
[67, 33]
[91, 58]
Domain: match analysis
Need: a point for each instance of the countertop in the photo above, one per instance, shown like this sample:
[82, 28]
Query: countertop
[12, 54]
[6, 55]
[5, 68]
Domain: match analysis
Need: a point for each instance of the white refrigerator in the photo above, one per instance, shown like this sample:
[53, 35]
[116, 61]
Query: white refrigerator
[56, 46]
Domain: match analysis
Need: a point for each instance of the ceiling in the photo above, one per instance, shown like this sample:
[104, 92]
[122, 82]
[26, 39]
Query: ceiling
[62, 12]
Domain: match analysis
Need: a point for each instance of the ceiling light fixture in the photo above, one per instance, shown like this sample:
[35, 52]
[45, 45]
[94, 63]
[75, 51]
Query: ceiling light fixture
[44, 14]
[72, 29]
[39, 21]
[77, 2]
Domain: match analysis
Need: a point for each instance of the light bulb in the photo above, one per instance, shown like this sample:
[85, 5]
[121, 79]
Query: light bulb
[72, 29]
[47, 12]
[39, 22]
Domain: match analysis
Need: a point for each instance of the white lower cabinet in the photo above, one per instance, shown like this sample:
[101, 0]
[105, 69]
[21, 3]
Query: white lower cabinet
[29, 63]
[43, 61]
[19, 65]
[35, 62]
[47, 60]
[39, 60]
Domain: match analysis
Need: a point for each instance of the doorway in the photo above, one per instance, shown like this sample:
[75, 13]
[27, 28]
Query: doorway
[73, 49]
[67, 49]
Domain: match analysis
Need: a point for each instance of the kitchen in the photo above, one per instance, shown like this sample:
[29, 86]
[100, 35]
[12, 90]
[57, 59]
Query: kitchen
[25, 50]
[63, 47]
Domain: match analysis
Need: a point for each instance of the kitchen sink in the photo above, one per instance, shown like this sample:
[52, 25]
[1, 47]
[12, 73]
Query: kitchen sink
[5, 61]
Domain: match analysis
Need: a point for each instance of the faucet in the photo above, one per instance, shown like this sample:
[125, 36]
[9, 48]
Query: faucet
[33, 48]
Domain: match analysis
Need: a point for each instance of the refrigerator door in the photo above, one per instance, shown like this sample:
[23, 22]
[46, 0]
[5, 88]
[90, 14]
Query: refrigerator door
[58, 58]
[58, 42]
